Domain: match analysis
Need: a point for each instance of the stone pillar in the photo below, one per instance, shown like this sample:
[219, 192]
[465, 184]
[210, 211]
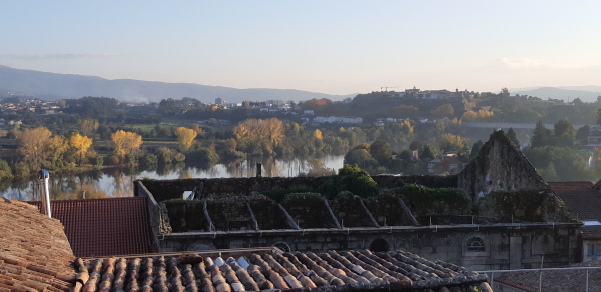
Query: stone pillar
[515, 252]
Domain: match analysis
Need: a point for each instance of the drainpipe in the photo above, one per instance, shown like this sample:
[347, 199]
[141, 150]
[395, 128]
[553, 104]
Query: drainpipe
[45, 194]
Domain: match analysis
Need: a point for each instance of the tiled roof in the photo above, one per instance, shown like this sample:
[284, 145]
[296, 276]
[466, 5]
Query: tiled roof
[328, 271]
[104, 227]
[591, 232]
[34, 252]
[580, 197]
[555, 280]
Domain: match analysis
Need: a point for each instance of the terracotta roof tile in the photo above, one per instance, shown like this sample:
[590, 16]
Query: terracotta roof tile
[580, 197]
[351, 270]
[104, 227]
[591, 232]
[34, 252]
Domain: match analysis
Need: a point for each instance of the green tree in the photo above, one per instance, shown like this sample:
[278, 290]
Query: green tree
[360, 157]
[428, 152]
[6, 172]
[582, 133]
[380, 151]
[540, 135]
[564, 134]
[513, 137]
[350, 178]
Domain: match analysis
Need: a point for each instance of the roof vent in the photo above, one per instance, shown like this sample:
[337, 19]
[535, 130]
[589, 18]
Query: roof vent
[43, 176]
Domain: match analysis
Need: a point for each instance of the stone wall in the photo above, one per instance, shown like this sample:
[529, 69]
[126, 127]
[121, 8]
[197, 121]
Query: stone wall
[500, 165]
[173, 189]
[510, 246]
[350, 211]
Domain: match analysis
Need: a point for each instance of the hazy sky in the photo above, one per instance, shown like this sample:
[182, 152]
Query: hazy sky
[336, 47]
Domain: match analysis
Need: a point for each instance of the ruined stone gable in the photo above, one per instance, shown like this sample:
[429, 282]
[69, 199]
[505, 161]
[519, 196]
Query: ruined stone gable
[500, 165]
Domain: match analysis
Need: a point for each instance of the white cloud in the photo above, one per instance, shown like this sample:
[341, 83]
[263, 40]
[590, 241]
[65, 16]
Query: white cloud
[523, 63]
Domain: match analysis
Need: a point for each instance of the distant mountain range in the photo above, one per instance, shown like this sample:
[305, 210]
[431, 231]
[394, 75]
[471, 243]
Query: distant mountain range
[54, 86]
[568, 93]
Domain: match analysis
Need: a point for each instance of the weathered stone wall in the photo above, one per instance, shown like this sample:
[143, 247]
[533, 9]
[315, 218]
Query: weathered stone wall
[308, 210]
[500, 165]
[173, 189]
[155, 218]
[349, 211]
[388, 212]
[508, 246]
[186, 215]
[431, 181]
[268, 215]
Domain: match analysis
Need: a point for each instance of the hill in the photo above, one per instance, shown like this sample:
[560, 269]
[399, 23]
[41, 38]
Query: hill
[54, 86]
[585, 93]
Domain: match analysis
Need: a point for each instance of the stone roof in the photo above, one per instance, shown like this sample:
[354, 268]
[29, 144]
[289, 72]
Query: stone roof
[104, 227]
[34, 251]
[328, 271]
[555, 280]
[580, 197]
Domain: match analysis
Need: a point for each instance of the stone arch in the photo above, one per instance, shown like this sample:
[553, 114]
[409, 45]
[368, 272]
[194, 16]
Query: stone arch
[379, 245]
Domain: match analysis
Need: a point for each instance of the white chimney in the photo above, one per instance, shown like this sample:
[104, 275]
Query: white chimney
[45, 193]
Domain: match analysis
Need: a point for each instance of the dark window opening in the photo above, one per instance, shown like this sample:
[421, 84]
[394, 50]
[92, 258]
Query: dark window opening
[379, 245]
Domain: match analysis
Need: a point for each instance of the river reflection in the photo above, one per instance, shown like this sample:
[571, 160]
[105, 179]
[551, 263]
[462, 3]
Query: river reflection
[117, 182]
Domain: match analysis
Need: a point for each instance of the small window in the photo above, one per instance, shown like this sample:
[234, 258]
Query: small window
[590, 249]
[476, 244]
[598, 249]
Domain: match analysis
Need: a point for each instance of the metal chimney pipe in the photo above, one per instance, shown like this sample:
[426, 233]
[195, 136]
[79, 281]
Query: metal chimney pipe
[43, 176]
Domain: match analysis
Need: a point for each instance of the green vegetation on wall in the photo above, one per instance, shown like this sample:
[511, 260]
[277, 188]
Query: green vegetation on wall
[350, 178]
[424, 201]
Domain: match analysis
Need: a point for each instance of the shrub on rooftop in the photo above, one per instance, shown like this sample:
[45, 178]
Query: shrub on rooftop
[350, 178]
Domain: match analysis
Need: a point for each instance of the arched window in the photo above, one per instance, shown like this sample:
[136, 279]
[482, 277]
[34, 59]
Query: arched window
[282, 246]
[476, 244]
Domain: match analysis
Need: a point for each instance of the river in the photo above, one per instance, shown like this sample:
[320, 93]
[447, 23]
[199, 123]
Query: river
[116, 182]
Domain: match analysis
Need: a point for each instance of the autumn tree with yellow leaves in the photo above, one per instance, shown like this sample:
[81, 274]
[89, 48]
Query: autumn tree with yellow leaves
[33, 146]
[257, 136]
[450, 142]
[126, 143]
[87, 127]
[318, 134]
[472, 116]
[81, 144]
[58, 148]
[185, 138]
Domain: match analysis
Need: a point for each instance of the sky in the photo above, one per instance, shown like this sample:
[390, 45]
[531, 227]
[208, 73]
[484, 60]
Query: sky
[334, 47]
